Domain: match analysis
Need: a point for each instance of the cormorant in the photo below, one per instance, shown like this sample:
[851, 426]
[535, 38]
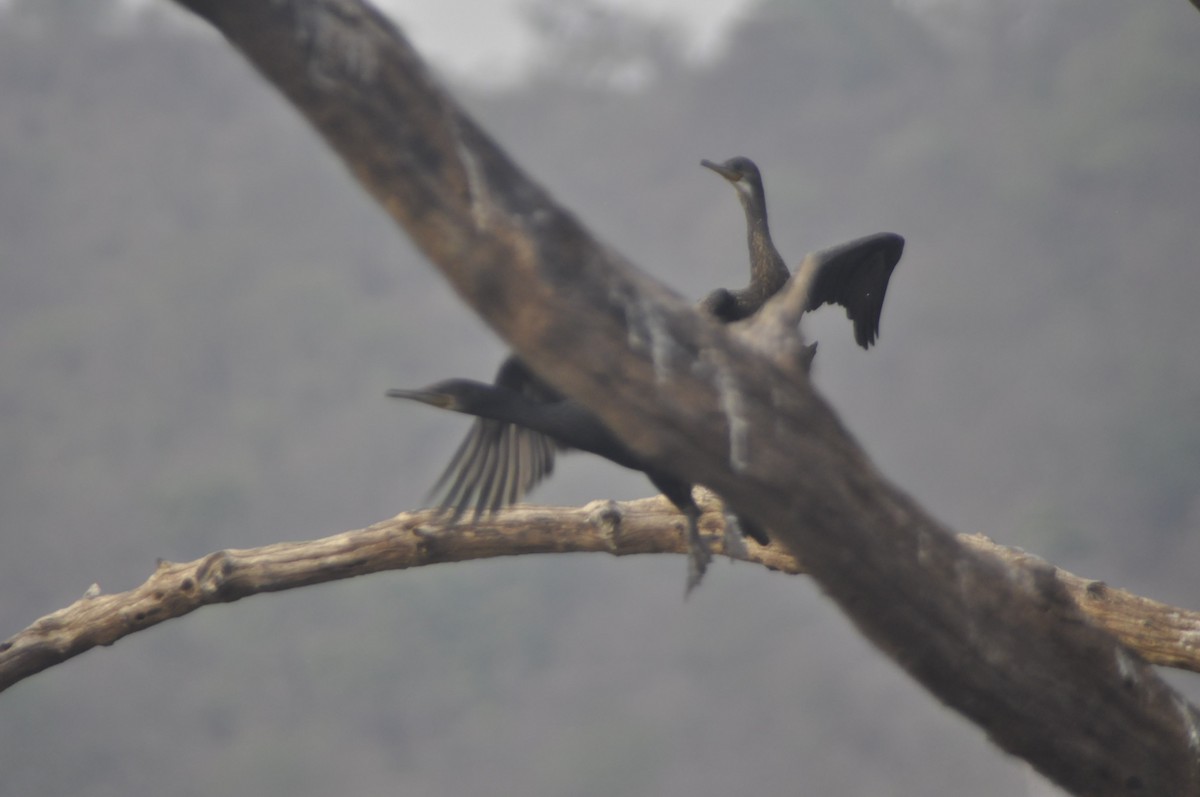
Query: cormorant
[499, 461]
[565, 422]
[768, 272]
[856, 280]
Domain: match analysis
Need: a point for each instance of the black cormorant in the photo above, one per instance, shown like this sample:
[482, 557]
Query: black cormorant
[768, 272]
[499, 461]
[565, 422]
[856, 280]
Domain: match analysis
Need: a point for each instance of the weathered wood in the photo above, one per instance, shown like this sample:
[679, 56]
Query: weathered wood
[1162, 634]
[1002, 644]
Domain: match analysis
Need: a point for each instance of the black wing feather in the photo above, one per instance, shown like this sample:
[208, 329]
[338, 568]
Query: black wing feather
[497, 463]
[855, 275]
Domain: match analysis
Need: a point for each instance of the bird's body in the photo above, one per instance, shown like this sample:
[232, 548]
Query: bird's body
[563, 420]
[569, 425]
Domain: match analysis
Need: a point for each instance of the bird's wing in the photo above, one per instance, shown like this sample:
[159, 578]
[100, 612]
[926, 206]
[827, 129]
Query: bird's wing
[497, 463]
[855, 275]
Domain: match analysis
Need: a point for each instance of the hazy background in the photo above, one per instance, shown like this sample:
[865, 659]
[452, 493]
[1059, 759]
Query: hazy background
[200, 312]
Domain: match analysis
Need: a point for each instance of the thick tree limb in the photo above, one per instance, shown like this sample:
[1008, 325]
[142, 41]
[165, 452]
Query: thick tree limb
[1162, 634]
[1004, 645]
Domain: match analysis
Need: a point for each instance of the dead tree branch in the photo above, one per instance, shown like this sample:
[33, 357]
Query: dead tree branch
[1162, 634]
[1003, 644]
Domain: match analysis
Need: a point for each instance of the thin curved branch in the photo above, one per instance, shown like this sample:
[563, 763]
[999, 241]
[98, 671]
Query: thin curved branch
[1162, 634]
[411, 539]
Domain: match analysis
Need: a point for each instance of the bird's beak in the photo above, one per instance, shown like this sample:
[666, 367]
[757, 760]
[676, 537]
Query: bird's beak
[728, 174]
[430, 397]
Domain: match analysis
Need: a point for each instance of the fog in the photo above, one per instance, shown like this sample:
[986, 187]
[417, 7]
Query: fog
[200, 312]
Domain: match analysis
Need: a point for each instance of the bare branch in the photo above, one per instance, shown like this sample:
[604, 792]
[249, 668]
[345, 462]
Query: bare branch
[1162, 634]
[411, 539]
[1004, 645]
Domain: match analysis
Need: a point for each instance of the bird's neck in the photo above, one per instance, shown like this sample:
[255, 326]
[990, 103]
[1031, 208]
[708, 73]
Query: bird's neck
[768, 272]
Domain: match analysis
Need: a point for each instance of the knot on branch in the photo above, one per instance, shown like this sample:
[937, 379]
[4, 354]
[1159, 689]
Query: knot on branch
[213, 574]
[606, 516]
[429, 534]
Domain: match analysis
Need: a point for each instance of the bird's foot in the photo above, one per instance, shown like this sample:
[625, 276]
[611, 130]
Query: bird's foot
[699, 556]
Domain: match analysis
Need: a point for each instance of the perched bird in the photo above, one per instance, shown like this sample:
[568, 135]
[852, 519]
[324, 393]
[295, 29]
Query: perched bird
[857, 280]
[768, 272]
[565, 422]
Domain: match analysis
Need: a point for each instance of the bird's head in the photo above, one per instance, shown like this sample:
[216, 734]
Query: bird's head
[742, 172]
[451, 394]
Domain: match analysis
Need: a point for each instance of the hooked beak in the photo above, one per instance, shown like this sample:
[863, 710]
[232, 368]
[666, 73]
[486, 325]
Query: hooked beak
[425, 396]
[728, 174]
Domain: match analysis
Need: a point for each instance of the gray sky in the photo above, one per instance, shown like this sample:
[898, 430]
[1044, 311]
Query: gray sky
[488, 40]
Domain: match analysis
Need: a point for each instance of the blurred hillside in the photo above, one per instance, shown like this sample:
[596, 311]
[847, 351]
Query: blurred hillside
[200, 311]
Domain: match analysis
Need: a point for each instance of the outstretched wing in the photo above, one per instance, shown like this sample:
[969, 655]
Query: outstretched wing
[497, 463]
[855, 275]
